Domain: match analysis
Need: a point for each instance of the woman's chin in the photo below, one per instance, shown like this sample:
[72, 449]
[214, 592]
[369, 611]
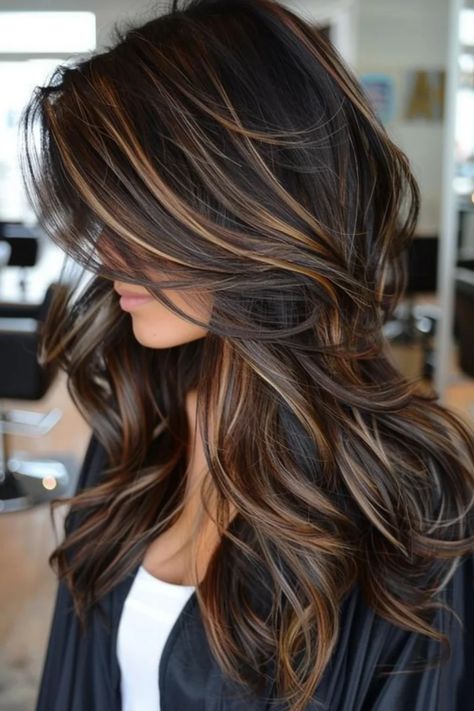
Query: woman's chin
[161, 339]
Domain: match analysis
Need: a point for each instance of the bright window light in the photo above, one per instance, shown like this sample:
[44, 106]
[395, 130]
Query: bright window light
[466, 63]
[466, 26]
[18, 79]
[33, 32]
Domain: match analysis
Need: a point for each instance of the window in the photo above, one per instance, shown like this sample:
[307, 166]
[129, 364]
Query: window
[31, 33]
[50, 32]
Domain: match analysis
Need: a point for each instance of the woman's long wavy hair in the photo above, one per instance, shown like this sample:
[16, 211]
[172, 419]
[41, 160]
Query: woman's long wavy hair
[225, 147]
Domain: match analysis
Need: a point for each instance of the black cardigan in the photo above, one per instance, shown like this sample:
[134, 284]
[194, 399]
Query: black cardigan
[82, 673]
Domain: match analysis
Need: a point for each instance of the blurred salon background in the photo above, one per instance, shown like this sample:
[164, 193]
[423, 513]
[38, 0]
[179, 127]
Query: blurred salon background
[415, 59]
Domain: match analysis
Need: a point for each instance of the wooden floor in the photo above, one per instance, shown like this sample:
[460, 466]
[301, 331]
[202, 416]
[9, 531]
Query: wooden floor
[28, 585]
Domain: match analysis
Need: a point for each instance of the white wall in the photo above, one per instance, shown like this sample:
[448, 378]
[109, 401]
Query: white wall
[342, 15]
[107, 11]
[343, 11]
[404, 35]
[372, 35]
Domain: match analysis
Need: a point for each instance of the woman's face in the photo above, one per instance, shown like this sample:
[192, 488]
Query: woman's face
[156, 326]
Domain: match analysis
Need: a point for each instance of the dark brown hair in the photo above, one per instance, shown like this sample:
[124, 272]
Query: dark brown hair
[227, 146]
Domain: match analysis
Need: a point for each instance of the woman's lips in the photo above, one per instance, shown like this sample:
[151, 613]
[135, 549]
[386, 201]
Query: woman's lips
[129, 302]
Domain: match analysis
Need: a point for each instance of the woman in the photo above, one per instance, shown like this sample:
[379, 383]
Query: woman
[269, 515]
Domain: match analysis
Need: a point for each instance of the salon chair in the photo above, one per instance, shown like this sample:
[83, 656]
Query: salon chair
[464, 313]
[416, 322]
[422, 268]
[24, 247]
[427, 317]
[24, 480]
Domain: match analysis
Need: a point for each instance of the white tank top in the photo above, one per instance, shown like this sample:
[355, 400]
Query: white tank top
[149, 612]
